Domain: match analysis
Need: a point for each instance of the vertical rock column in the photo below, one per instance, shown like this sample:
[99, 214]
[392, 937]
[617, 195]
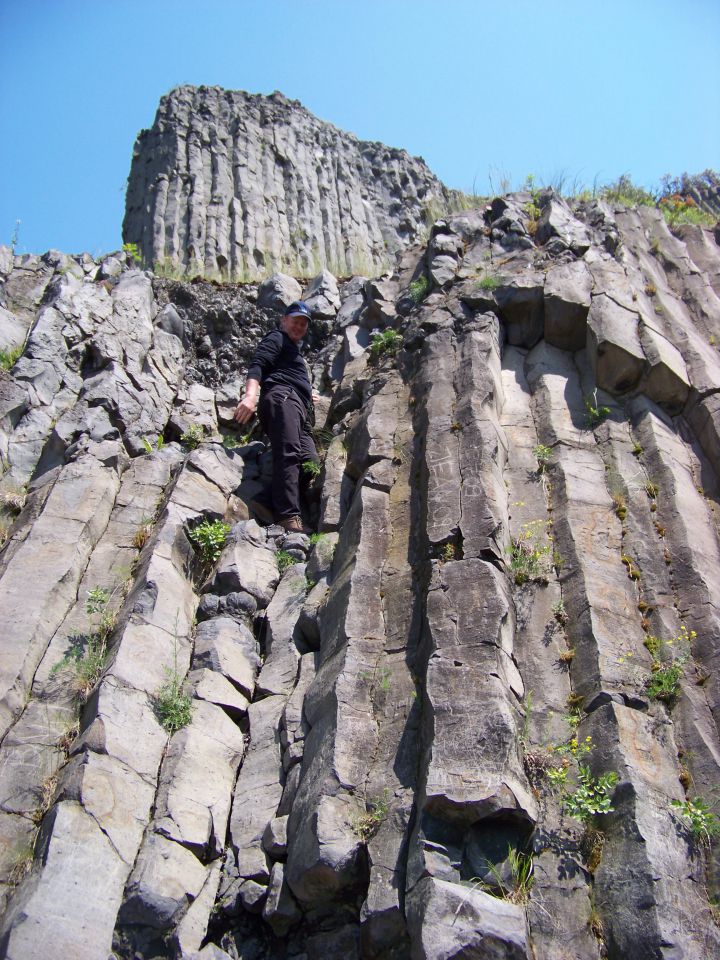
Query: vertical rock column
[472, 785]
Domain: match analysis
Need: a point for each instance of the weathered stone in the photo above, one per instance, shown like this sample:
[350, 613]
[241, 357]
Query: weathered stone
[258, 790]
[213, 687]
[322, 296]
[166, 879]
[80, 887]
[196, 781]
[282, 656]
[521, 306]
[614, 345]
[247, 564]
[278, 292]
[265, 153]
[567, 302]
[228, 647]
[281, 911]
[451, 921]
[556, 220]
[274, 839]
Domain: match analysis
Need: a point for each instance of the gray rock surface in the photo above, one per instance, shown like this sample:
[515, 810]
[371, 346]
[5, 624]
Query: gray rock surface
[519, 542]
[289, 191]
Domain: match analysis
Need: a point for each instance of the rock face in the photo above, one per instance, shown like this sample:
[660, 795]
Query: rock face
[477, 714]
[236, 185]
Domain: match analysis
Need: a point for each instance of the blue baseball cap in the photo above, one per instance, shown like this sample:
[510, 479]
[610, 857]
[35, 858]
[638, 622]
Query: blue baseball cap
[299, 309]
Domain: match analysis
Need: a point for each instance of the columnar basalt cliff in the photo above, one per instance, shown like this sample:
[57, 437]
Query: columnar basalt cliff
[476, 715]
[234, 185]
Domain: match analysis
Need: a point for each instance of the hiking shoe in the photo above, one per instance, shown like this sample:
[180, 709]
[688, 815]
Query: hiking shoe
[262, 511]
[294, 525]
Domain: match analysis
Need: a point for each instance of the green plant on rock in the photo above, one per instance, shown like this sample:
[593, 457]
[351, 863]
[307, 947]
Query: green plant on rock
[385, 343]
[148, 445]
[193, 436]
[88, 651]
[133, 252]
[626, 193]
[311, 468]
[698, 817]
[284, 560]
[10, 356]
[376, 811]
[173, 706]
[542, 454]
[593, 795]
[531, 553]
[668, 664]
[594, 413]
[419, 289]
[209, 538]
[517, 890]
[489, 282]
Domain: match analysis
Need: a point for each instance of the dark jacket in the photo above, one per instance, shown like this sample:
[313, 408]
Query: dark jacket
[278, 361]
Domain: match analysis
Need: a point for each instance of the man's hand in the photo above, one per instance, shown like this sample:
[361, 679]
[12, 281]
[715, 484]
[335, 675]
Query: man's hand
[315, 396]
[245, 410]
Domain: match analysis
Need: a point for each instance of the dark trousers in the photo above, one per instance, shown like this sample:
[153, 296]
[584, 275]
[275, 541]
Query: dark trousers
[284, 419]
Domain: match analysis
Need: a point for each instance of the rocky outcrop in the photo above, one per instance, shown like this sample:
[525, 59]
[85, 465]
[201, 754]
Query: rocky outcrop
[236, 185]
[477, 713]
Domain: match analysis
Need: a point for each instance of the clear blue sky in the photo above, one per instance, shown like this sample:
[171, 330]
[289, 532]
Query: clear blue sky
[595, 88]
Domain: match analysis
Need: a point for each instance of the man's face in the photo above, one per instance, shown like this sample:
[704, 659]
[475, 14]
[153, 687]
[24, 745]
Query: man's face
[294, 327]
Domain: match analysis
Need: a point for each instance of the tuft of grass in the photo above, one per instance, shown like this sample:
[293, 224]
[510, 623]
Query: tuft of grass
[368, 824]
[489, 283]
[542, 454]
[172, 705]
[142, 534]
[284, 560]
[10, 356]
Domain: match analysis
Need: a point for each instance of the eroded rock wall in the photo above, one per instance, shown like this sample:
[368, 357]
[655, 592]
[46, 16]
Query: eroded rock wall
[234, 185]
[390, 722]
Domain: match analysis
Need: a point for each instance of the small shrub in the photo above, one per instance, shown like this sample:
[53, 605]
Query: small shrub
[652, 489]
[209, 538]
[664, 683]
[625, 192]
[669, 658]
[172, 705]
[10, 356]
[678, 210]
[637, 450]
[133, 252]
[530, 553]
[592, 797]
[650, 289]
[567, 655]
[368, 824]
[697, 816]
[419, 289]
[230, 442]
[559, 612]
[542, 454]
[594, 414]
[311, 468]
[193, 436]
[386, 343]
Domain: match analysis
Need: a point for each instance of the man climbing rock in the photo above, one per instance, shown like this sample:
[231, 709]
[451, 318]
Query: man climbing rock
[285, 412]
